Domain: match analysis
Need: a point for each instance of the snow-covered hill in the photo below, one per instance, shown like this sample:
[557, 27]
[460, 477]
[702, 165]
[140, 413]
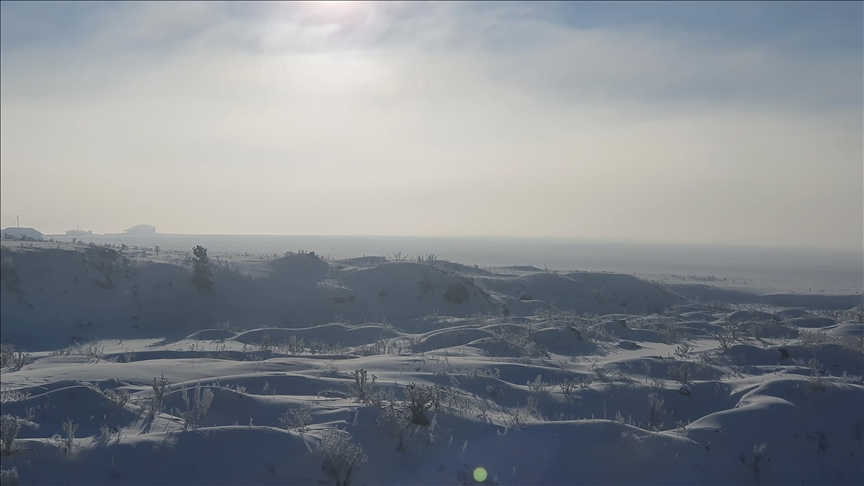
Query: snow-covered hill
[537, 378]
[58, 295]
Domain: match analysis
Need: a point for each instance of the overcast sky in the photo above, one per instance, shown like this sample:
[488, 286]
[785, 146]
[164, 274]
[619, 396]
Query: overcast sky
[737, 123]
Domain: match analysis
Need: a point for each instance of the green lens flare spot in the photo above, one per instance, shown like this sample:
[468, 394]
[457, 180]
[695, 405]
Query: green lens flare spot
[480, 475]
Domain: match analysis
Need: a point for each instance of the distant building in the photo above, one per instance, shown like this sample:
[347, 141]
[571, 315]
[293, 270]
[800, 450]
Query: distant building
[141, 229]
[21, 234]
[76, 232]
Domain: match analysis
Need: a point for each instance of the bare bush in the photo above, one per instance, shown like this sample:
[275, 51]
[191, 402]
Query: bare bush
[160, 385]
[495, 392]
[680, 373]
[567, 387]
[853, 343]
[266, 342]
[127, 356]
[362, 387]
[394, 418]
[9, 395]
[297, 418]
[455, 400]
[631, 441]
[10, 425]
[472, 372]
[532, 406]
[294, 345]
[331, 369]
[756, 330]
[119, 397]
[724, 338]
[202, 278]
[11, 359]
[656, 414]
[226, 326]
[397, 256]
[522, 342]
[758, 452]
[341, 458]
[621, 420]
[816, 381]
[814, 338]
[670, 331]
[388, 346]
[538, 386]
[599, 371]
[683, 428]
[196, 407]
[683, 350]
[515, 418]
[238, 388]
[94, 351]
[428, 259]
[420, 399]
[442, 367]
[9, 477]
[67, 442]
[108, 435]
[850, 379]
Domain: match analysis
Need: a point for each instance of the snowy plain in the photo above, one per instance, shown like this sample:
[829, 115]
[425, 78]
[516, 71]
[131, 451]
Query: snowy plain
[538, 377]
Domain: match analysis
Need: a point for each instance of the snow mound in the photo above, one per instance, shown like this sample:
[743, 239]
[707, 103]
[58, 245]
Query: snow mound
[811, 322]
[87, 407]
[212, 335]
[538, 377]
[751, 315]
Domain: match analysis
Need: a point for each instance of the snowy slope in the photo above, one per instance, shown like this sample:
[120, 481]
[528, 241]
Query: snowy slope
[591, 378]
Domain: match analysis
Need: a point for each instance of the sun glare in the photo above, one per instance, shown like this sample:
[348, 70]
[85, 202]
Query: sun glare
[332, 4]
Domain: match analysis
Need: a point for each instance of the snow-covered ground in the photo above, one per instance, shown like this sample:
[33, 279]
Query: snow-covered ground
[535, 377]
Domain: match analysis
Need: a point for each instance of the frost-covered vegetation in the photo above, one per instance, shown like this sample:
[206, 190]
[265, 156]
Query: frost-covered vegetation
[411, 371]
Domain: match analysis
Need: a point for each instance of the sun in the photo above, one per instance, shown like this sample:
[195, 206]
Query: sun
[331, 4]
[337, 8]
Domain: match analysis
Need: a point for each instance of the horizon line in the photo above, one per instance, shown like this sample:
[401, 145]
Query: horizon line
[582, 239]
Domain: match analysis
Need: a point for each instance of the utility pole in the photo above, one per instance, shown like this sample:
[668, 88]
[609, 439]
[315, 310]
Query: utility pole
[18, 221]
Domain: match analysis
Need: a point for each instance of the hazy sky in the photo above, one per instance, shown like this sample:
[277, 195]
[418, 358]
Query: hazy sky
[739, 123]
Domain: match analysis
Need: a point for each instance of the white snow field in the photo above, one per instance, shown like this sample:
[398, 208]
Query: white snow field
[300, 370]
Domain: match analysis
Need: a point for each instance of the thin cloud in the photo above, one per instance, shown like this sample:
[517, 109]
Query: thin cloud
[431, 119]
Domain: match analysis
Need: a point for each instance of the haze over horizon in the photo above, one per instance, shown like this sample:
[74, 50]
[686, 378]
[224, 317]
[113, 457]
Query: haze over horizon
[392, 238]
[740, 124]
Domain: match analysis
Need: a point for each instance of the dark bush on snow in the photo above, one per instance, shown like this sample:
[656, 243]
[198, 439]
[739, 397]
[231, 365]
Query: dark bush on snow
[202, 279]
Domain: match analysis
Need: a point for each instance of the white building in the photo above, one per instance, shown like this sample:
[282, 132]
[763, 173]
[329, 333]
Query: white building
[20, 233]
